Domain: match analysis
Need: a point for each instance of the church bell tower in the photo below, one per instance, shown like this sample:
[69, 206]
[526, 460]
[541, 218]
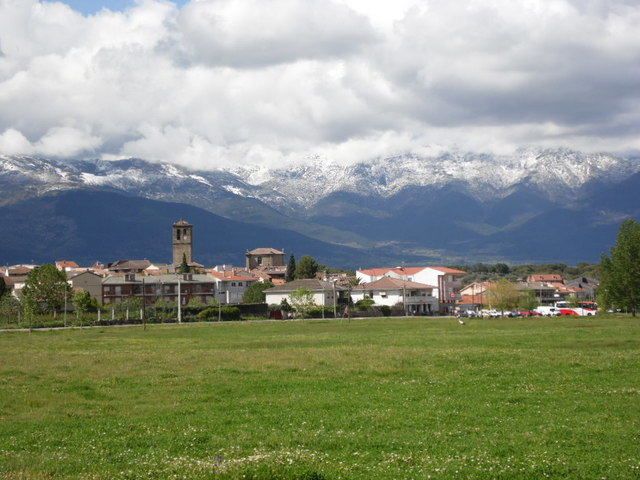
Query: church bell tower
[182, 241]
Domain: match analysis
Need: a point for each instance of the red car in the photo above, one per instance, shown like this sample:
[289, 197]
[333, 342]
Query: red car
[529, 313]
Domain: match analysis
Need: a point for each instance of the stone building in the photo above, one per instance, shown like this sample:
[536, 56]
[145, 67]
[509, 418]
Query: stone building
[264, 258]
[182, 242]
[115, 289]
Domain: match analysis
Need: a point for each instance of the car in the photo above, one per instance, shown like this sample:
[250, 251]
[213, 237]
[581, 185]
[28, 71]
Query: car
[529, 313]
[548, 311]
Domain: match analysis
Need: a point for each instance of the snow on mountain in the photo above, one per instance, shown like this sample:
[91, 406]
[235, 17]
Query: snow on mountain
[559, 173]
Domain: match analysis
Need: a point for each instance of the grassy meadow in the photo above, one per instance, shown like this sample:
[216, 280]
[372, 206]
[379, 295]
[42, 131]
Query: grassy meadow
[366, 399]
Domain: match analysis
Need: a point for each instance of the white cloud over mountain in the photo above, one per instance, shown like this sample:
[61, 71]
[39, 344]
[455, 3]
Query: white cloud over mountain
[219, 82]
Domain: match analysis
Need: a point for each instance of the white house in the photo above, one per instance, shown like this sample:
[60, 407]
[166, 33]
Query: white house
[231, 284]
[417, 298]
[446, 281]
[322, 292]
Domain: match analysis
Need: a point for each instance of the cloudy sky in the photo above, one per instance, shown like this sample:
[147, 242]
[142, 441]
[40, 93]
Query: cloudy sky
[208, 83]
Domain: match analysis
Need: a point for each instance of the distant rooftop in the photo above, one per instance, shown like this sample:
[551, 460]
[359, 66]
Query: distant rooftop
[182, 223]
[265, 251]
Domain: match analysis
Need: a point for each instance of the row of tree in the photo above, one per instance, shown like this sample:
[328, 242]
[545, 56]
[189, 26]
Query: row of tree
[619, 278]
[307, 267]
[46, 291]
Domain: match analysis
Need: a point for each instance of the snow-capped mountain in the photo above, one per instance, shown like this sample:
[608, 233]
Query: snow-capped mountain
[558, 173]
[448, 206]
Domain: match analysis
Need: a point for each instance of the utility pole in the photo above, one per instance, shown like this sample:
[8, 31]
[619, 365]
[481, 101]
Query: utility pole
[65, 303]
[324, 300]
[179, 301]
[335, 315]
[404, 297]
[144, 307]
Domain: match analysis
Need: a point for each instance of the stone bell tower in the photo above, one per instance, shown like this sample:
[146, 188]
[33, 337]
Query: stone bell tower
[182, 241]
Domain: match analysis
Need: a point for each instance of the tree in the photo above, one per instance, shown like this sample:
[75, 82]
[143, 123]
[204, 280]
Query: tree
[131, 304]
[302, 301]
[45, 289]
[3, 287]
[307, 267]
[164, 309]
[572, 300]
[291, 269]
[528, 300]
[9, 308]
[503, 295]
[83, 302]
[620, 271]
[501, 268]
[364, 304]
[285, 306]
[184, 266]
[255, 293]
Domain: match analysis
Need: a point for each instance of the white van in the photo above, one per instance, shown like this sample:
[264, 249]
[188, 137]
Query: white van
[548, 311]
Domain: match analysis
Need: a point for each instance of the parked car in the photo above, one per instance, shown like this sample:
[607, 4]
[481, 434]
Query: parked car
[548, 311]
[529, 313]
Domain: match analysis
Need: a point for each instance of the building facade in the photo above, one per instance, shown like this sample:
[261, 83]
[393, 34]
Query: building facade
[446, 281]
[264, 258]
[323, 293]
[115, 289]
[88, 282]
[182, 242]
[231, 285]
[415, 298]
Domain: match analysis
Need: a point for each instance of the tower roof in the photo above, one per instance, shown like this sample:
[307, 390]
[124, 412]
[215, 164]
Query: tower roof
[265, 251]
[182, 223]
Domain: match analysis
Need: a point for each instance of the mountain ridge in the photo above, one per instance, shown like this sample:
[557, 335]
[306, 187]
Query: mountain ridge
[455, 205]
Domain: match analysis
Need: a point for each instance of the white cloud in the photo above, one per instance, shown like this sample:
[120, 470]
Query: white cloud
[236, 81]
[56, 142]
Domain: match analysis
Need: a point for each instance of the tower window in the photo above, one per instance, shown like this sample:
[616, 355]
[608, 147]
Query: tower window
[178, 234]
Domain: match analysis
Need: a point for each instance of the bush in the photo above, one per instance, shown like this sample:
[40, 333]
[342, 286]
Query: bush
[364, 304]
[255, 293]
[385, 310]
[316, 312]
[226, 314]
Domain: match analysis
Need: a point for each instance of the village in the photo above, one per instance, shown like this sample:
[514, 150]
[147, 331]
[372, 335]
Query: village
[270, 285]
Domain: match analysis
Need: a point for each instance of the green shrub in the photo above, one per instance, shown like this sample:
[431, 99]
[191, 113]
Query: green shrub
[226, 313]
[316, 312]
[364, 304]
[385, 310]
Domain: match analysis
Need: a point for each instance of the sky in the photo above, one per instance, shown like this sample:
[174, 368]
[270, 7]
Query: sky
[215, 83]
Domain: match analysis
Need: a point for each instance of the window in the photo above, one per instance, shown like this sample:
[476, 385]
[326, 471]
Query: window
[233, 284]
[239, 284]
[259, 260]
[178, 234]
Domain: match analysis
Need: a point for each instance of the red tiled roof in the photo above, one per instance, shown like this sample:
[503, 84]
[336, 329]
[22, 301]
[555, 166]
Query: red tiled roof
[375, 272]
[66, 264]
[452, 271]
[545, 277]
[408, 270]
[389, 283]
[18, 271]
[233, 276]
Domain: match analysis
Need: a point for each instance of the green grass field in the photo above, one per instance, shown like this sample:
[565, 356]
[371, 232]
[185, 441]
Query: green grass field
[367, 399]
